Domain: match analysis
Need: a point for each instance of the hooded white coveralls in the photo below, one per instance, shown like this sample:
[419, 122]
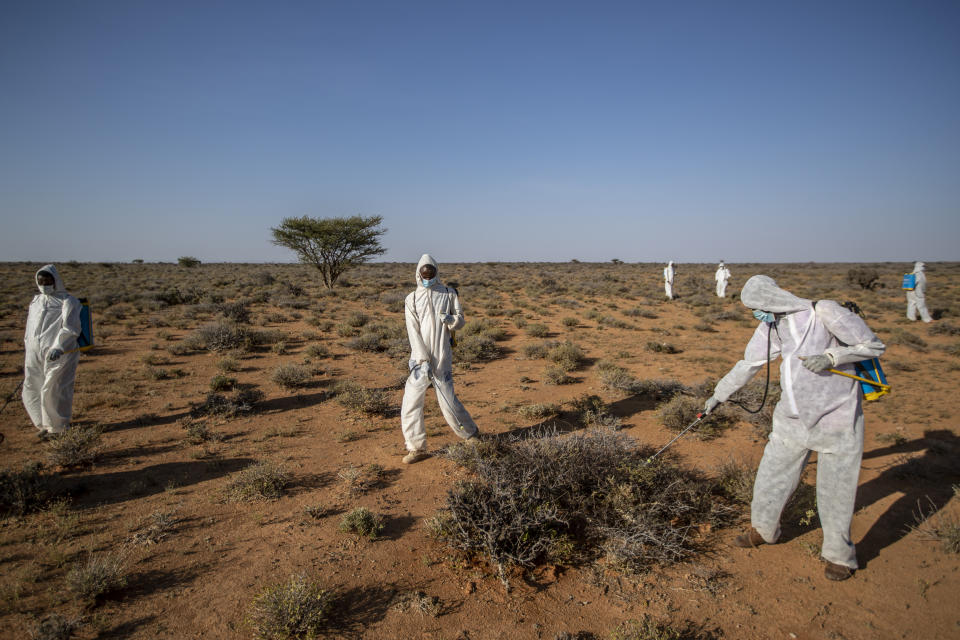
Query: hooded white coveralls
[817, 411]
[722, 277]
[916, 301]
[431, 314]
[53, 322]
[668, 273]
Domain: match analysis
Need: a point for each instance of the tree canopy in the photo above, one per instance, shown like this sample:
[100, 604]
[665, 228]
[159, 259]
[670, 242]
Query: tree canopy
[332, 245]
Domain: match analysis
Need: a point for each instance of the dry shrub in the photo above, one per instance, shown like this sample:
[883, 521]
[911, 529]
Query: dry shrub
[567, 355]
[681, 411]
[661, 347]
[198, 431]
[54, 627]
[100, 574]
[291, 376]
[241, 401]
[25, 490]
[483, 327]
[298, 608]
[419, 602]
[735, 481]
[907, 339]
[77, 446]
[261, 481]
[223, 335]
[943, 329]
[942, 527]
[616, 378]
[475, 348]
[558, 497]
[649, 629]
[864, 277]
[358, 398]
[556, 375]
[221, 382]
[537, 330]
[538, 411]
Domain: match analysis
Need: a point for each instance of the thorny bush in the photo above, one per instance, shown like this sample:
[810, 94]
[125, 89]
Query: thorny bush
[576, 497]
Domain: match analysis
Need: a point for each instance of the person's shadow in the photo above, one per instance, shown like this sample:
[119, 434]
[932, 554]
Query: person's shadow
[925, 481]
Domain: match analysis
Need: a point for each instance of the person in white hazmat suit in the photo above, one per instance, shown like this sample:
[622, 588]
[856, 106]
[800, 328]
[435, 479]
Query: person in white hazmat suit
[916, 300]
[50, 365]
[668, 273]
[722, 277]
[818, 411]
[432, 311]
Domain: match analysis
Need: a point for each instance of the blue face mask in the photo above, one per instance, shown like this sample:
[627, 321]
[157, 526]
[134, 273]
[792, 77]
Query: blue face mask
[764, 316]
[428, 283]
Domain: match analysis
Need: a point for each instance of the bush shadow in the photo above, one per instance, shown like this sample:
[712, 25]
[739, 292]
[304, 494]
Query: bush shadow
[395, 527]
[125, 629]
[97, 489]
[289, 403]
[925, 482]
[360, 607]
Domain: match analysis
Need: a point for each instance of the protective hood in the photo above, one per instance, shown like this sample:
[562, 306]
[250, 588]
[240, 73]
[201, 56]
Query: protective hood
[918, 267]
[425, 259]
[762, 292]
[670, 264]
[57, 280]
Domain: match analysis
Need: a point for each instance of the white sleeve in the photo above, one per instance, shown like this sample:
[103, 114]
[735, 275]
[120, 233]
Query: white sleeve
[69, 324]
[754, 358]
[456, 311]
[859, 342]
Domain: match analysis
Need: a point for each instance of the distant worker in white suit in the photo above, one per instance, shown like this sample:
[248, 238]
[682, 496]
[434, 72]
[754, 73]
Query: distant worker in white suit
[722, 276]
[51, 356]
[916, 300]
[432, 311]
[668, 273]
[818, 411]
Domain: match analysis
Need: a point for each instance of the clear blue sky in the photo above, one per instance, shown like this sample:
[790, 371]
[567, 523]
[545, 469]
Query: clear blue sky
[645, 131]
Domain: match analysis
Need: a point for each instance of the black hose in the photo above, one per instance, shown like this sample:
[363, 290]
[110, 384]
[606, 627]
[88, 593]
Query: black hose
[766, 388]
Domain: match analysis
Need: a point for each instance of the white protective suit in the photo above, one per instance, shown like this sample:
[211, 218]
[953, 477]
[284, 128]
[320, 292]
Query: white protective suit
[431, 314]
[916, 301]
[722, 277]
[668, 273]
[53, 322]
[817, 411]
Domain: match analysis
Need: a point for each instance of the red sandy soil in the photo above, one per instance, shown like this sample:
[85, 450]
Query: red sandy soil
[199, 581]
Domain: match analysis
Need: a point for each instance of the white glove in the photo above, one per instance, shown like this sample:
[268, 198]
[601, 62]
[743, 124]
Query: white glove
[54, 355]
[448, 319]
[817, 363]
[425, 368]
[710, 405]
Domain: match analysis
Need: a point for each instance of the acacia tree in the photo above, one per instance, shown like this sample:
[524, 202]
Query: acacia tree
[332, 245]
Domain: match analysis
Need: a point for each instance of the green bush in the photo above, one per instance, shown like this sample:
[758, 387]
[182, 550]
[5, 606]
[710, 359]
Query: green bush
[221, 382]
[362, 522]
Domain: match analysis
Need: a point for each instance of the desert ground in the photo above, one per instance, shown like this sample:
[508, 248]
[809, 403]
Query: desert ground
[232, 417]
